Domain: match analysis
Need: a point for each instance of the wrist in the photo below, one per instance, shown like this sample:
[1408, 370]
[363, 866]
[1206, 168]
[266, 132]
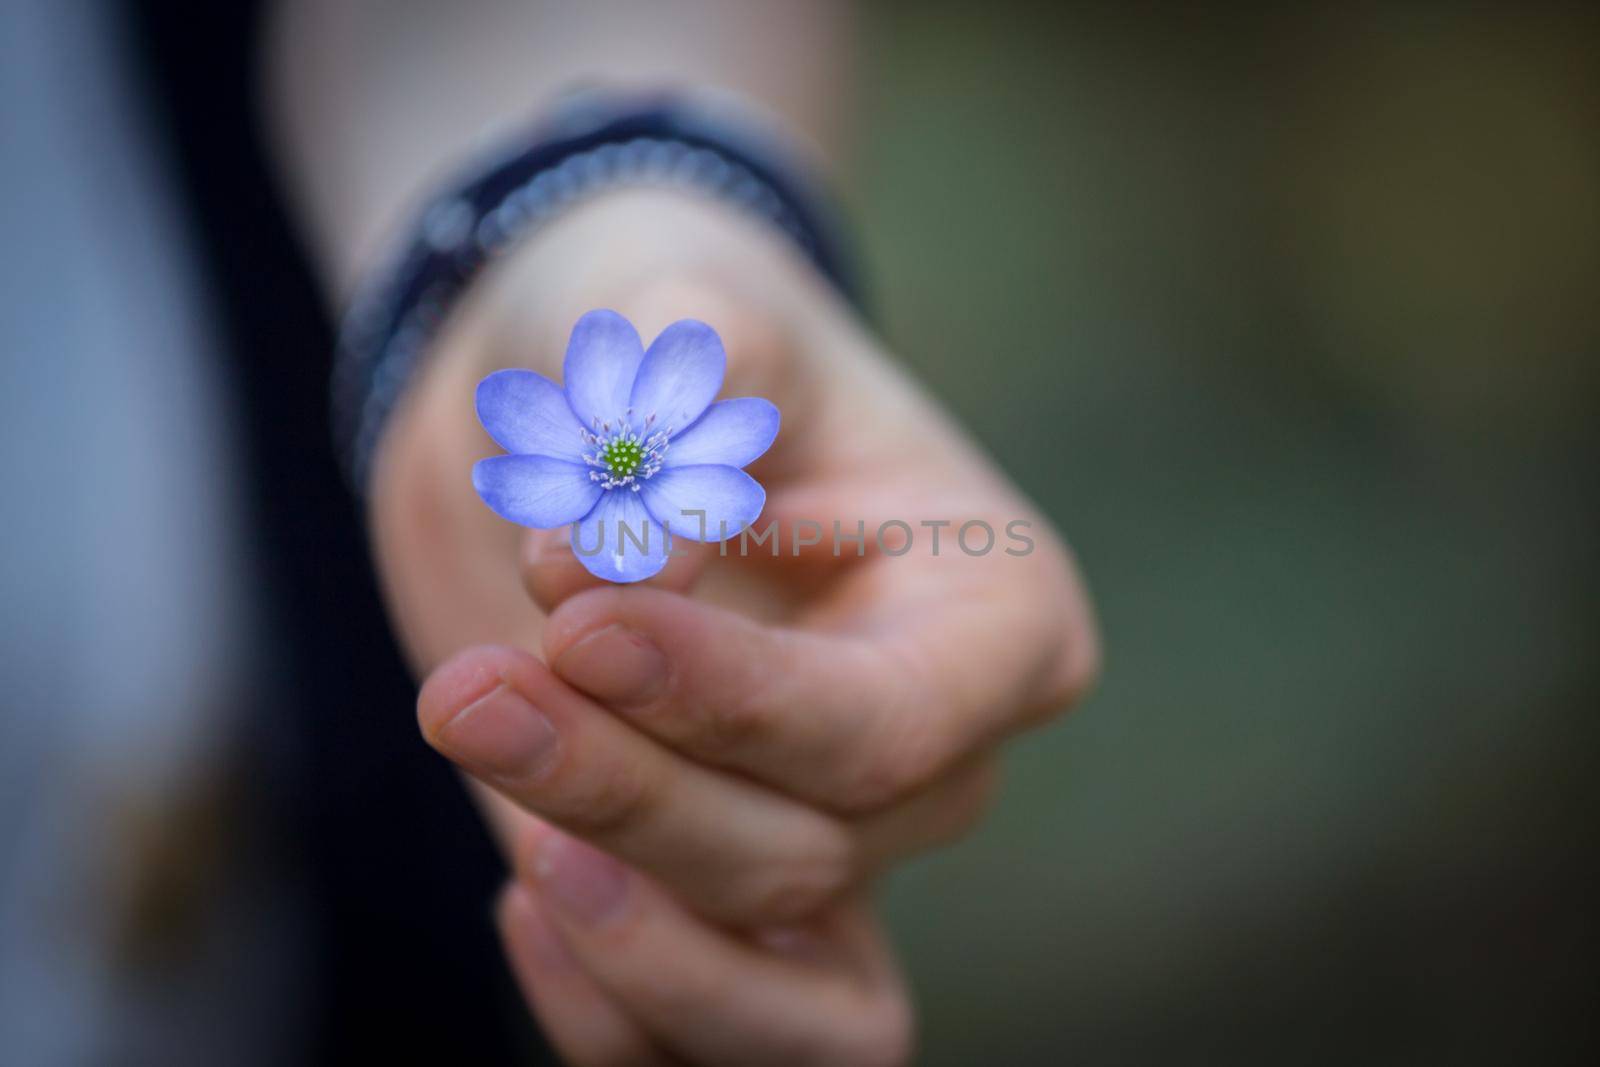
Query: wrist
[592, 146]
[655, 257]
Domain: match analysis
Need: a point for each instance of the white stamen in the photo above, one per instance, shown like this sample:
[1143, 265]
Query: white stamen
[651, 451]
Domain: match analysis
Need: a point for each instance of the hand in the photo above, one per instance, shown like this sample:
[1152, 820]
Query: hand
[759, 772]
[618, 972]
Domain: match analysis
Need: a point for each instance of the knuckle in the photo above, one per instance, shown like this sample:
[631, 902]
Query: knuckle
[799, 890]
[1069, 671]
[900, 763]
[748, 710]
[908, 740]
[876, 784]
[728, 725]
[611, 802]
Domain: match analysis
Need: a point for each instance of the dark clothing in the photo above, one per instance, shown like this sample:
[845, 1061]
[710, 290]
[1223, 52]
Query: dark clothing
[400, 872]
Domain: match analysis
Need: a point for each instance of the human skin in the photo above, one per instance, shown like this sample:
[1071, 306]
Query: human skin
[757, 749]
[696, 779]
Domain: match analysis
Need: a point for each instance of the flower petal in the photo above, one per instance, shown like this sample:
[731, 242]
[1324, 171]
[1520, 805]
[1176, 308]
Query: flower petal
[731, 433]
[535, 491]
[619, 541]
[729, 497]
[528, 413]
[602, 361]
[680, 375]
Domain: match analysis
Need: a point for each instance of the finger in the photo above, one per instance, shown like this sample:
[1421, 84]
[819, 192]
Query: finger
[1024, 585]
[713, 998]
[551, 571]
[741, 853]
[583, 1022]
[848, 720]
[936, 815]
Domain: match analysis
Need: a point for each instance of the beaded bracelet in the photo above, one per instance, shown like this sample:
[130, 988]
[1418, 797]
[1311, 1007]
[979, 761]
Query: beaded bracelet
[595, 142]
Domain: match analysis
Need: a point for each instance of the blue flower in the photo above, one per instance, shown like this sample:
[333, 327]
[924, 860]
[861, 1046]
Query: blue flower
[631, 447]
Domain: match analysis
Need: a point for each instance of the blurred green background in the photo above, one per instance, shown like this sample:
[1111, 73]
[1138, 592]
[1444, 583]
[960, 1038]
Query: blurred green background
[1303, 305]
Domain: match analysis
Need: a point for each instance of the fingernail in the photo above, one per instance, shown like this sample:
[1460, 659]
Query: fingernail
[614, 664]
[501, 734]
[583, 882]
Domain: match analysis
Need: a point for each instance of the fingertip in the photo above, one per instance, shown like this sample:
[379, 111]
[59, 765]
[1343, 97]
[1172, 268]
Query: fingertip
[628, 647]
[525, 848]
[463, 679]
[582, 1020]
[663, 616]
[586, 886]
[514, 910]
[581, 615]
[531, 941]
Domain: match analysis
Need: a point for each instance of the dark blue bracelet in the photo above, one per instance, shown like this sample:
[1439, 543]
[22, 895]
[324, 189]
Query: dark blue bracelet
[594, 143]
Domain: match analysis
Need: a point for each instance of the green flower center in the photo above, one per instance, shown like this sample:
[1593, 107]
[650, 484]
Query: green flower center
[622, 456]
